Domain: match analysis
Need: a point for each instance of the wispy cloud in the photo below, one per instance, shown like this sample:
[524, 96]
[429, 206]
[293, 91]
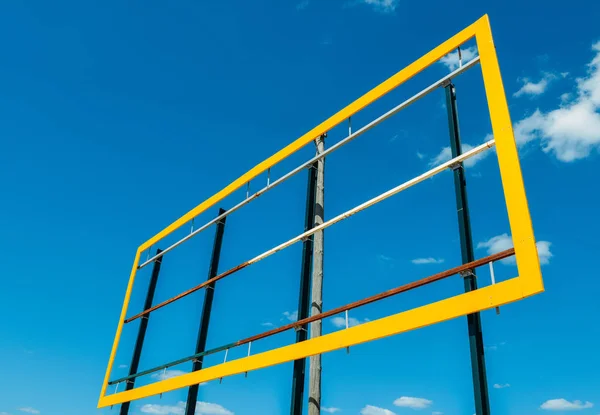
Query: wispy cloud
[123, 366]
[340, 322]
[327, 41]
[430, 260]
[29, 410]
[412, 402]
[267, 324]
[202, 408]
[437, 413]
[572, 131]
[421, 156]
[330, 410]
[501, 385]
[564, 405]
[446, 154]
[534, 88]
[167, 374]
[382, 6]
[384, 258]
[494, 347]
[302, 5]
[451, 60]
[375, 410]
[503, 242]
[290, 315]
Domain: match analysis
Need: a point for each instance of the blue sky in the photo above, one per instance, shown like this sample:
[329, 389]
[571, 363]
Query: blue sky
[117, 118]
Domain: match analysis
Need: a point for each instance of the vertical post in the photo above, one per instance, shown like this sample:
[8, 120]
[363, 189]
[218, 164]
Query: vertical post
[139, 341]
[299, 374]
[314, 379]
[209, 292]
[482, 404]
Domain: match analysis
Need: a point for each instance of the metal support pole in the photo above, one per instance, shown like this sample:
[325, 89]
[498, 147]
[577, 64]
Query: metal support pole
[482, 404]
[304, 295]
[314, 379]
[190, 407]
[139, 342]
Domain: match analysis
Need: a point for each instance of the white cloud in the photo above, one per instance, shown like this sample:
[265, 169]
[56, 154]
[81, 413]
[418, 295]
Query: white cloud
[207, 408]
[564, 405]
[503, 242]
[29, 410]
[572, 131]
[330, 410]
[384, 6]
[430, 260]
[4, 413]
[302, 5]
[385, 258]
[375, 410]
[501, 385]
[411, 402]
[167, 374]
[421, 156]
[340, 322]
[202, 408]
[267, 324]
[437, 413]
[451, 60]
[123, 366]
[446, 154]
[535, 88]
[291, 316]
[566, 97]
[161, 409]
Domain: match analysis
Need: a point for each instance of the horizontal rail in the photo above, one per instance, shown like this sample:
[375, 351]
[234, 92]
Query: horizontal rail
[331, 149]
[403, 288]
[339, 218]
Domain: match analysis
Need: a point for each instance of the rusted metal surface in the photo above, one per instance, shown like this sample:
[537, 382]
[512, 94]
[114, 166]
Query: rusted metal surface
[188, 292]
[403, 288]
[381, 296]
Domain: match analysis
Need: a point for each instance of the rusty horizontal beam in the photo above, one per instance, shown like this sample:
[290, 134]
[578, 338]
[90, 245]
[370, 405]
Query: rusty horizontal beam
[394, 291]
[188, 292]
[385, 294]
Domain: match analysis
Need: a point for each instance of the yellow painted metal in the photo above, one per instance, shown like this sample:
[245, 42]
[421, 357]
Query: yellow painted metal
[528, 282]
[342, 115]
[508, 158]
[115, 346]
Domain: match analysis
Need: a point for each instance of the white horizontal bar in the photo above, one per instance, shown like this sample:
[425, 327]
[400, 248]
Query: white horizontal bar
[337, 145]
[377, 199]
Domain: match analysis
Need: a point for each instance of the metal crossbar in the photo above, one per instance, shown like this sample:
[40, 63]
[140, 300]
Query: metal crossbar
[351, 136]
[403, 288]
[430, 173]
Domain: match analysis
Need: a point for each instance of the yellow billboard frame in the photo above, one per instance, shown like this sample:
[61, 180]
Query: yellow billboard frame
[527, 283]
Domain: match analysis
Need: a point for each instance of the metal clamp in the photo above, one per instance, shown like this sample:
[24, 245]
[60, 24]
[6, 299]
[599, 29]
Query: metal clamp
[300, 328]
[456, 166]
[467, 273]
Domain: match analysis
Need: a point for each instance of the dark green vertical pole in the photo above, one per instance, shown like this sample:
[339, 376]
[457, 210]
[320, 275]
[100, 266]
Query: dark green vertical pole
[209, 292]
[304, 295]
[139, 341]
[482, 403]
